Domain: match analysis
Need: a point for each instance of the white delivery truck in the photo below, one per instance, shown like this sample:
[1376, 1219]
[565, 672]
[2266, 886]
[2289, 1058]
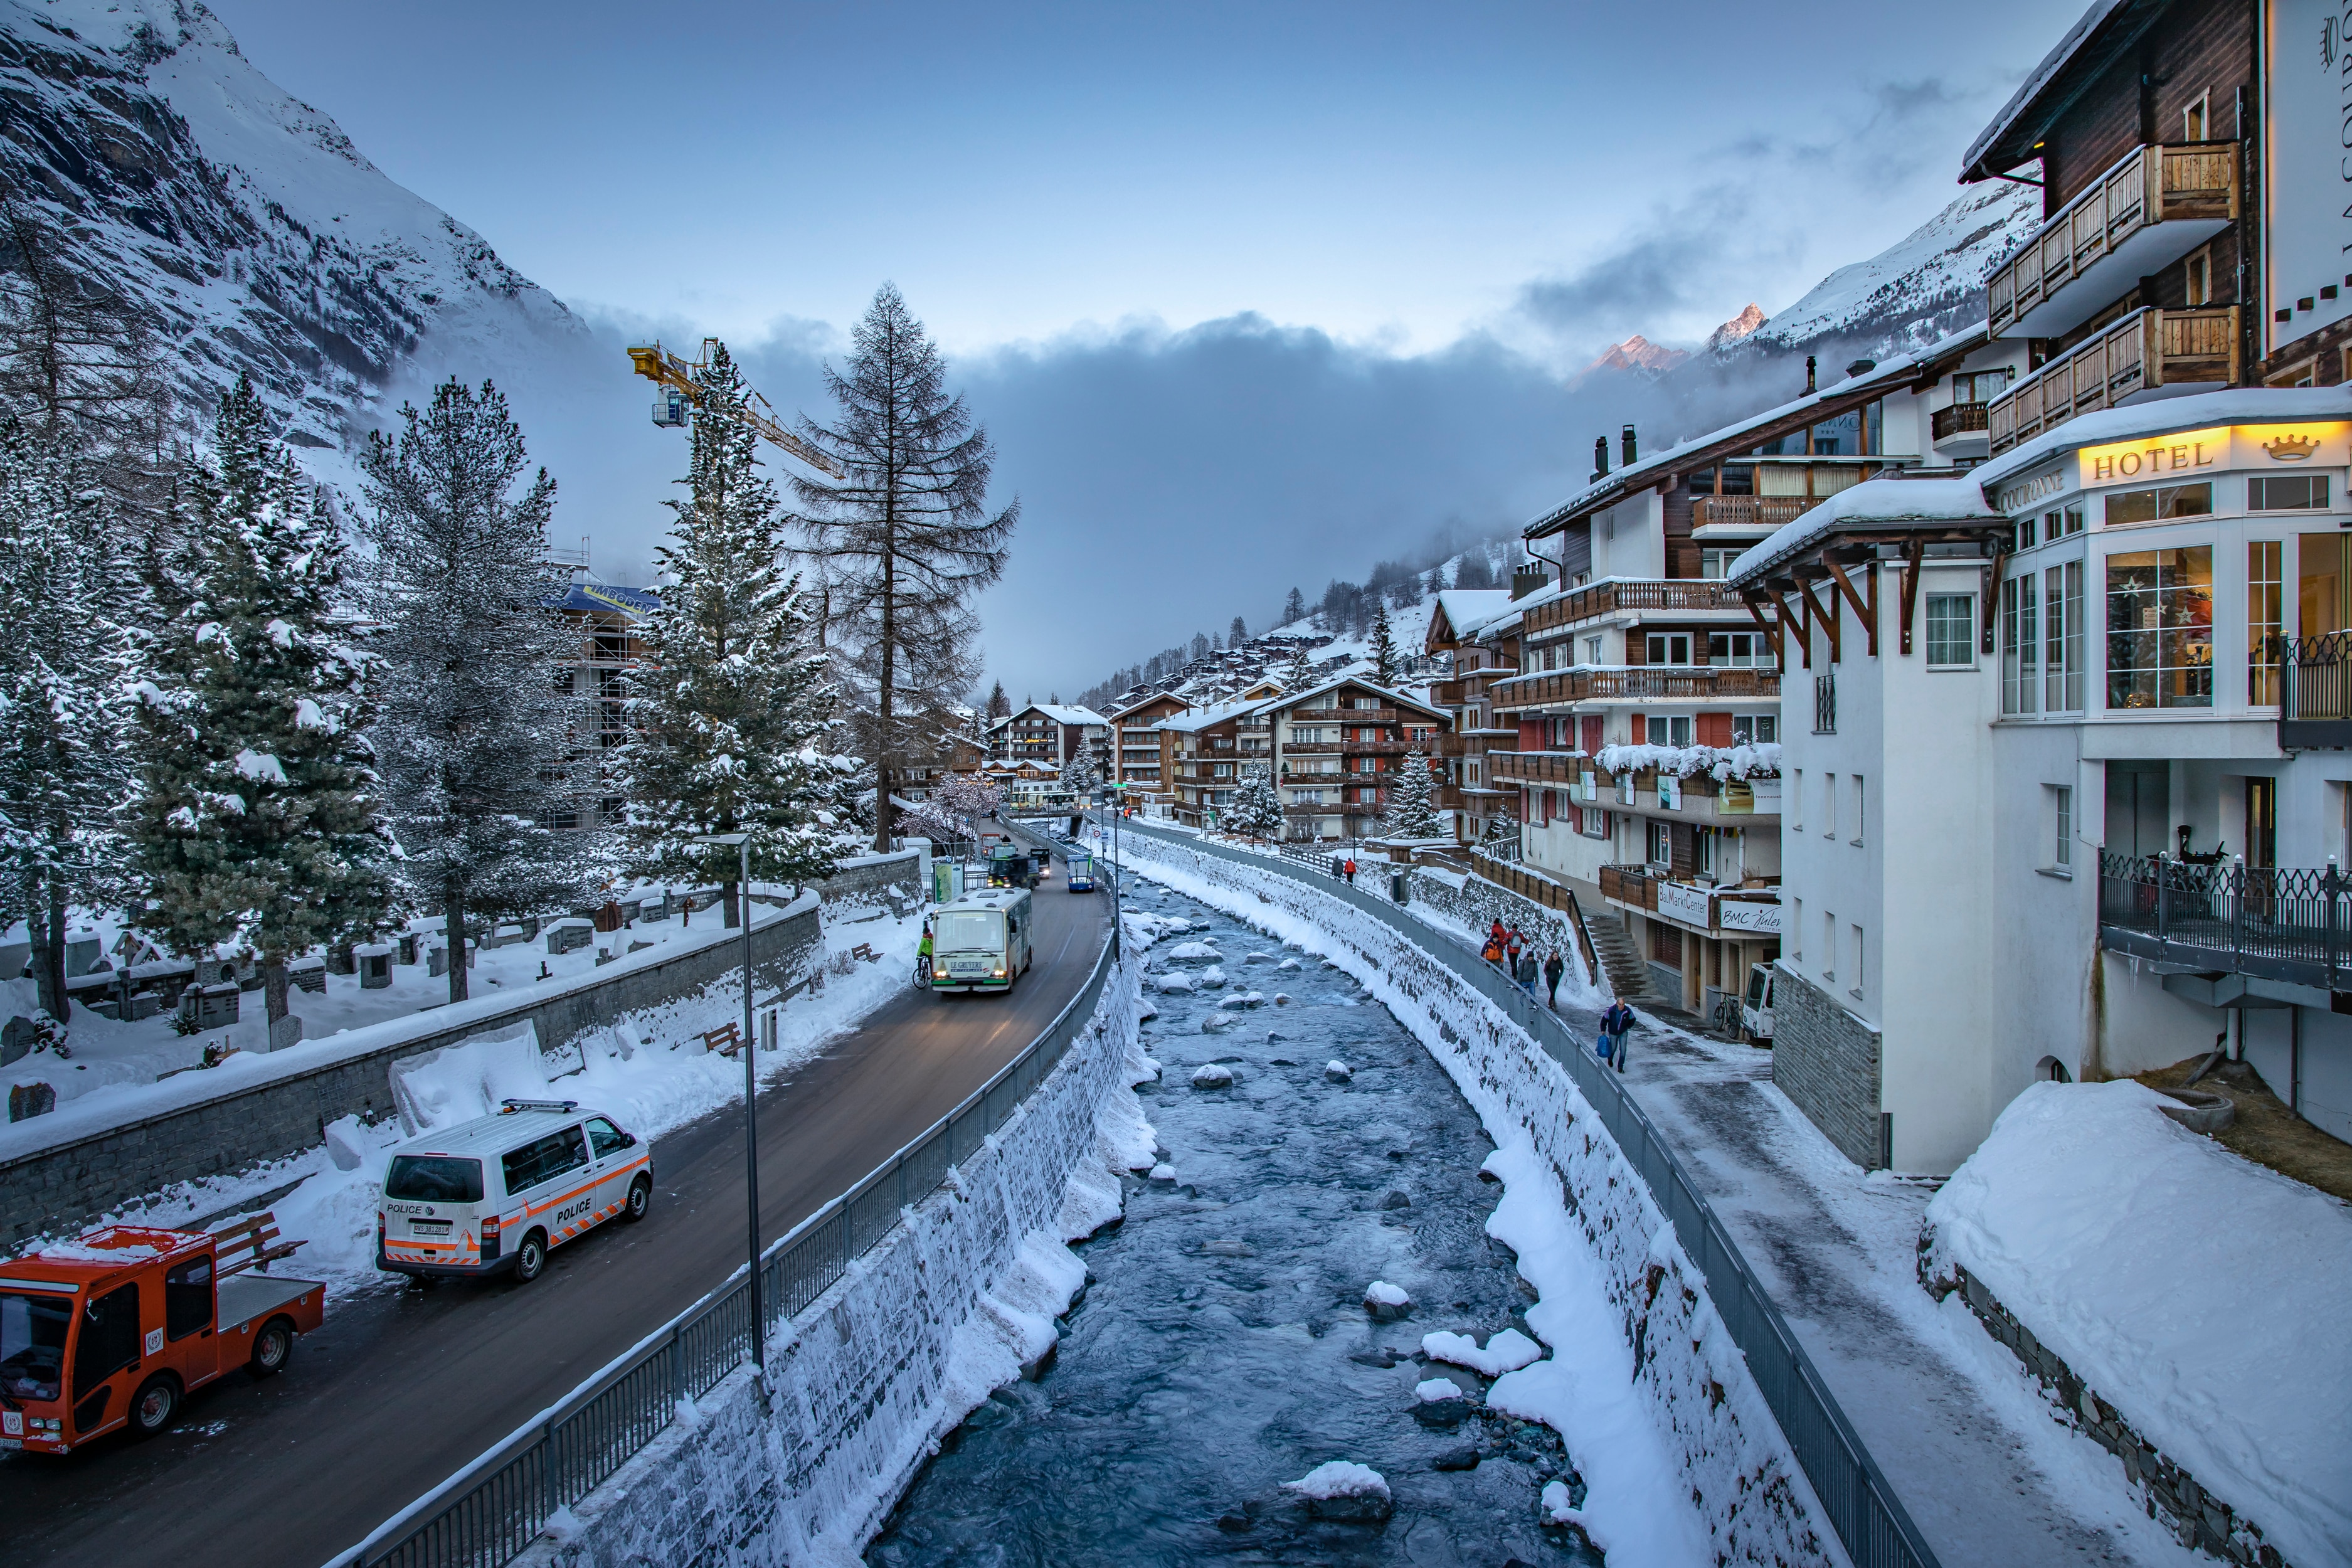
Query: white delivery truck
[495, 1194]
[980, 941]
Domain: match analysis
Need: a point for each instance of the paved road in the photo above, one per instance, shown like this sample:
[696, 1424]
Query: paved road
[406, 1384]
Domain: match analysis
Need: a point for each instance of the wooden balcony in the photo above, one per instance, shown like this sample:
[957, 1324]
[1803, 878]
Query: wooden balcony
[2144, 351]
[1657, 594]
[1630, 884]
[1748, 511]
[1639, 683]
[1537, 767]
[2151, 207]
[1343, 716]
[1958, 421]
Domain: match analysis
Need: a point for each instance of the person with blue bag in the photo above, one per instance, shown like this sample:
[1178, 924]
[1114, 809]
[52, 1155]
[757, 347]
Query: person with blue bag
[1615, 1025]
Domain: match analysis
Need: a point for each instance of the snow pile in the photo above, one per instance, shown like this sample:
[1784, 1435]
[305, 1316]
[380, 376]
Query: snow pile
[1557, 1510]
[2182, 1284]
[471, 1079]
[1719, 762]
[1193, 953]
[1339, 1478]
[1213, 1074]
[1431, 1391]
[1684, 1460]
[1505, 1351]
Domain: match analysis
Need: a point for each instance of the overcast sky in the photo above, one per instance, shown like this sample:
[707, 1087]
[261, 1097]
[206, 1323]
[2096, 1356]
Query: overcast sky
[1247, 294]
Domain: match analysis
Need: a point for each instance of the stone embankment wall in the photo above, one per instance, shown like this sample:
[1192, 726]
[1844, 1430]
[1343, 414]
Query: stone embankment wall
[58, 1172]
[960, 1298]
[1826, 1061]
[1745, 1482]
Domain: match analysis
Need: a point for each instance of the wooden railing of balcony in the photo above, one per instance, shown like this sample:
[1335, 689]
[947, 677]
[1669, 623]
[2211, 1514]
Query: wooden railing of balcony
[1702, 683]
[1750, 511]
[2146, 185]
[1630, 884]
[1958, 420]
[1660, 594]
[2147, 348]
[1537, 767]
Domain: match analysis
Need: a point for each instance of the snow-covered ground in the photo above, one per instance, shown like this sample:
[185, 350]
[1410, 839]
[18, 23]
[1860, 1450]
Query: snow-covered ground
[2183, 1284]
[1986, 1469]
[648, 1087]
[108, 1057]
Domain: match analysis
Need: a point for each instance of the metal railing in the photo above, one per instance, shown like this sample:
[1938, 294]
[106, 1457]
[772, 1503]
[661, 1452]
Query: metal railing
[491, 1511]
[2272, 922]
[1862, 1506]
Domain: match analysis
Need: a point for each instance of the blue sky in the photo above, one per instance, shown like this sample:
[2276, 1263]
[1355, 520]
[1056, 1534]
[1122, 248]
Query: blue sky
[1142, 231]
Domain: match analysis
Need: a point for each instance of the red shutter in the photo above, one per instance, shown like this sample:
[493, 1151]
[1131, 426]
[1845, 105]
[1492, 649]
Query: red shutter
[1714, 728]
[1532, 735]
[1591, 723]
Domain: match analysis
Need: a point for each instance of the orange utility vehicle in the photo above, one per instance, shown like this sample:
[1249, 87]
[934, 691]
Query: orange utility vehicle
[113, 1330]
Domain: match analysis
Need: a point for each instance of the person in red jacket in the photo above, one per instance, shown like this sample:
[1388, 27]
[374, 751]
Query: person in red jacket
[1351, 870]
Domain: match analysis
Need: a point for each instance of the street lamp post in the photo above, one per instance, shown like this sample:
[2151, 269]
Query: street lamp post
[742, 842]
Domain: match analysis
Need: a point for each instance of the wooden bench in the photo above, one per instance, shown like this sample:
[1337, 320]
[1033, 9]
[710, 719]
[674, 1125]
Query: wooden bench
[864, 950]
[726, 1041]
[249, 1243]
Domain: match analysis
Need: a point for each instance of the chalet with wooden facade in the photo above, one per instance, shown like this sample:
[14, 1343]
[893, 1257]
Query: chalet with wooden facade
[1333, 750]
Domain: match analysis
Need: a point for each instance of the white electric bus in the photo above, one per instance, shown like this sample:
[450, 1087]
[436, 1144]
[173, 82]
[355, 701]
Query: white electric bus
[980, 941]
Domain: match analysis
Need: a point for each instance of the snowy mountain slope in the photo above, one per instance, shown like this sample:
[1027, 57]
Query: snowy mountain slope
[1924, 285]
[256, 235]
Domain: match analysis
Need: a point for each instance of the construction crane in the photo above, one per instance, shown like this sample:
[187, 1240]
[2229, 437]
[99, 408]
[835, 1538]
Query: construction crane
[677, 384]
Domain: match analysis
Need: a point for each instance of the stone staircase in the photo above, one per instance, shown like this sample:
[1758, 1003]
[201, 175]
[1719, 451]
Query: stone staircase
[1629, 974]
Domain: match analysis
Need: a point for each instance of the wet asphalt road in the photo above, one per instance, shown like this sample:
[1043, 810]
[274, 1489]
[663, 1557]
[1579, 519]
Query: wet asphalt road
[403, 1385]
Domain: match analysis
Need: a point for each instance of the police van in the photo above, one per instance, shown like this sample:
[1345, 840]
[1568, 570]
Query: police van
[493, 1194]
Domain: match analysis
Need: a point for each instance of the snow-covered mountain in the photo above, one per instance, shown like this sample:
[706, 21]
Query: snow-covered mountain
[257, 238]
[1636, 353]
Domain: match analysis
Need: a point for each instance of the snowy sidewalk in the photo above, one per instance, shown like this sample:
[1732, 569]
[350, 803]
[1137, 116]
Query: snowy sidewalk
[1969, 1443]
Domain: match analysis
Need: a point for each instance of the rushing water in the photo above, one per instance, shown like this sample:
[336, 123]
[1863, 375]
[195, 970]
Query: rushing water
[1221, 1346]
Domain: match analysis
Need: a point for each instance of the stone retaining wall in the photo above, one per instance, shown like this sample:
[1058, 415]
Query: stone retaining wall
[1826, 1062]
[862, 1386]
[59, 1188]
[2196, 1517]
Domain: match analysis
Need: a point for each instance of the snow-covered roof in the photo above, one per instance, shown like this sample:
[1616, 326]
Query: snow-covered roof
[2234, 406]
[1637, 474]
[2037, 82]
[1062, 713]
[1468, 610]
[1298, 700]
[1202, 717]
[1875, 504]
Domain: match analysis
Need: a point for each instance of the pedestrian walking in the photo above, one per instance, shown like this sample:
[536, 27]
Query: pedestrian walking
[1493, 952]
[1554, 967]
[1352, 870]
[1526, 973]
[1616, 1023]
[1512, 945]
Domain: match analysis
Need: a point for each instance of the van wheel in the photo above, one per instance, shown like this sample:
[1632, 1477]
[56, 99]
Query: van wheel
[641, 1198]
[155, 1407]
[273, 1347]
[531, 1257]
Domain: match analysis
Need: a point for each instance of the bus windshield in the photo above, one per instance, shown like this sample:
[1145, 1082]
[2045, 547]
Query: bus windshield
[33, 1344]
[969, 930]
[434, 1179]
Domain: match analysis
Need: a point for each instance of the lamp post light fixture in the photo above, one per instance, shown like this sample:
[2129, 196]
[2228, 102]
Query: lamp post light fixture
[742, 842]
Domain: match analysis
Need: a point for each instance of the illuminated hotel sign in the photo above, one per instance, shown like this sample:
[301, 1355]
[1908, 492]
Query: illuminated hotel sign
[2187, 453]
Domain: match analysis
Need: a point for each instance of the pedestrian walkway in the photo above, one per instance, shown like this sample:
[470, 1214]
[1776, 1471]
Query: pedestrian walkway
[1967, 1441]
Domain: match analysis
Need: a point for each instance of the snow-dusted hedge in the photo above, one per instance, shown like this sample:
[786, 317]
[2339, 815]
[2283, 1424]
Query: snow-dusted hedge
[956, 1302]
[1682, 1456]
[1721, 763]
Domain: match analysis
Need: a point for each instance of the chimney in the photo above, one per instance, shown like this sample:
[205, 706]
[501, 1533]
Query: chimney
[1861, 367]
[1528, 577]
[1600, 458]
[1810, 385]
[1625, 446]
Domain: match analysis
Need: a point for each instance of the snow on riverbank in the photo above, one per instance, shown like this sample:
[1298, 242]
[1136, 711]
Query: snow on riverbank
[1684, 1462]
[2183, 1284]
[647, 1089]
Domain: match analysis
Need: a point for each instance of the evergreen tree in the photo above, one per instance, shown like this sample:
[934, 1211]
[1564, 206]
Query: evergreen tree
[730, 701]
[66, 668]
[999, 706]
[1256, 810]
[1237, 634]
[1080, 775]
[474, 736]
[1293, 608]
[1385, 662]
[1300, 673]
[905, 537]
[1411, 813]
[259, 819]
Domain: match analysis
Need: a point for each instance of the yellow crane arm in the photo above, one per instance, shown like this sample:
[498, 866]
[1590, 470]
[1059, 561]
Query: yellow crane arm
[663, 368]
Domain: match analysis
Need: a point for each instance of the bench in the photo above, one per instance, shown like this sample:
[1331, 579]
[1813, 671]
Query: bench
[255, 1238]
[726, 1041]
[864, 950]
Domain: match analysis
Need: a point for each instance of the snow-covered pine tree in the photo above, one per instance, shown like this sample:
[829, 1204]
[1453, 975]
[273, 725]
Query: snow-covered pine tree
[1385, 662]
[1293, 608]
[66, 668]
[258, 818]
[1256, 810]
[1300, 673]
[1237, 634]
[999, 706]
[732, 704]
[1080, 775]
[1411, 814]
[474, 733]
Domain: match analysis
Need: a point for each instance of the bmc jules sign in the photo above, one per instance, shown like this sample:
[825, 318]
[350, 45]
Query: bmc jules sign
[2307, 167]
